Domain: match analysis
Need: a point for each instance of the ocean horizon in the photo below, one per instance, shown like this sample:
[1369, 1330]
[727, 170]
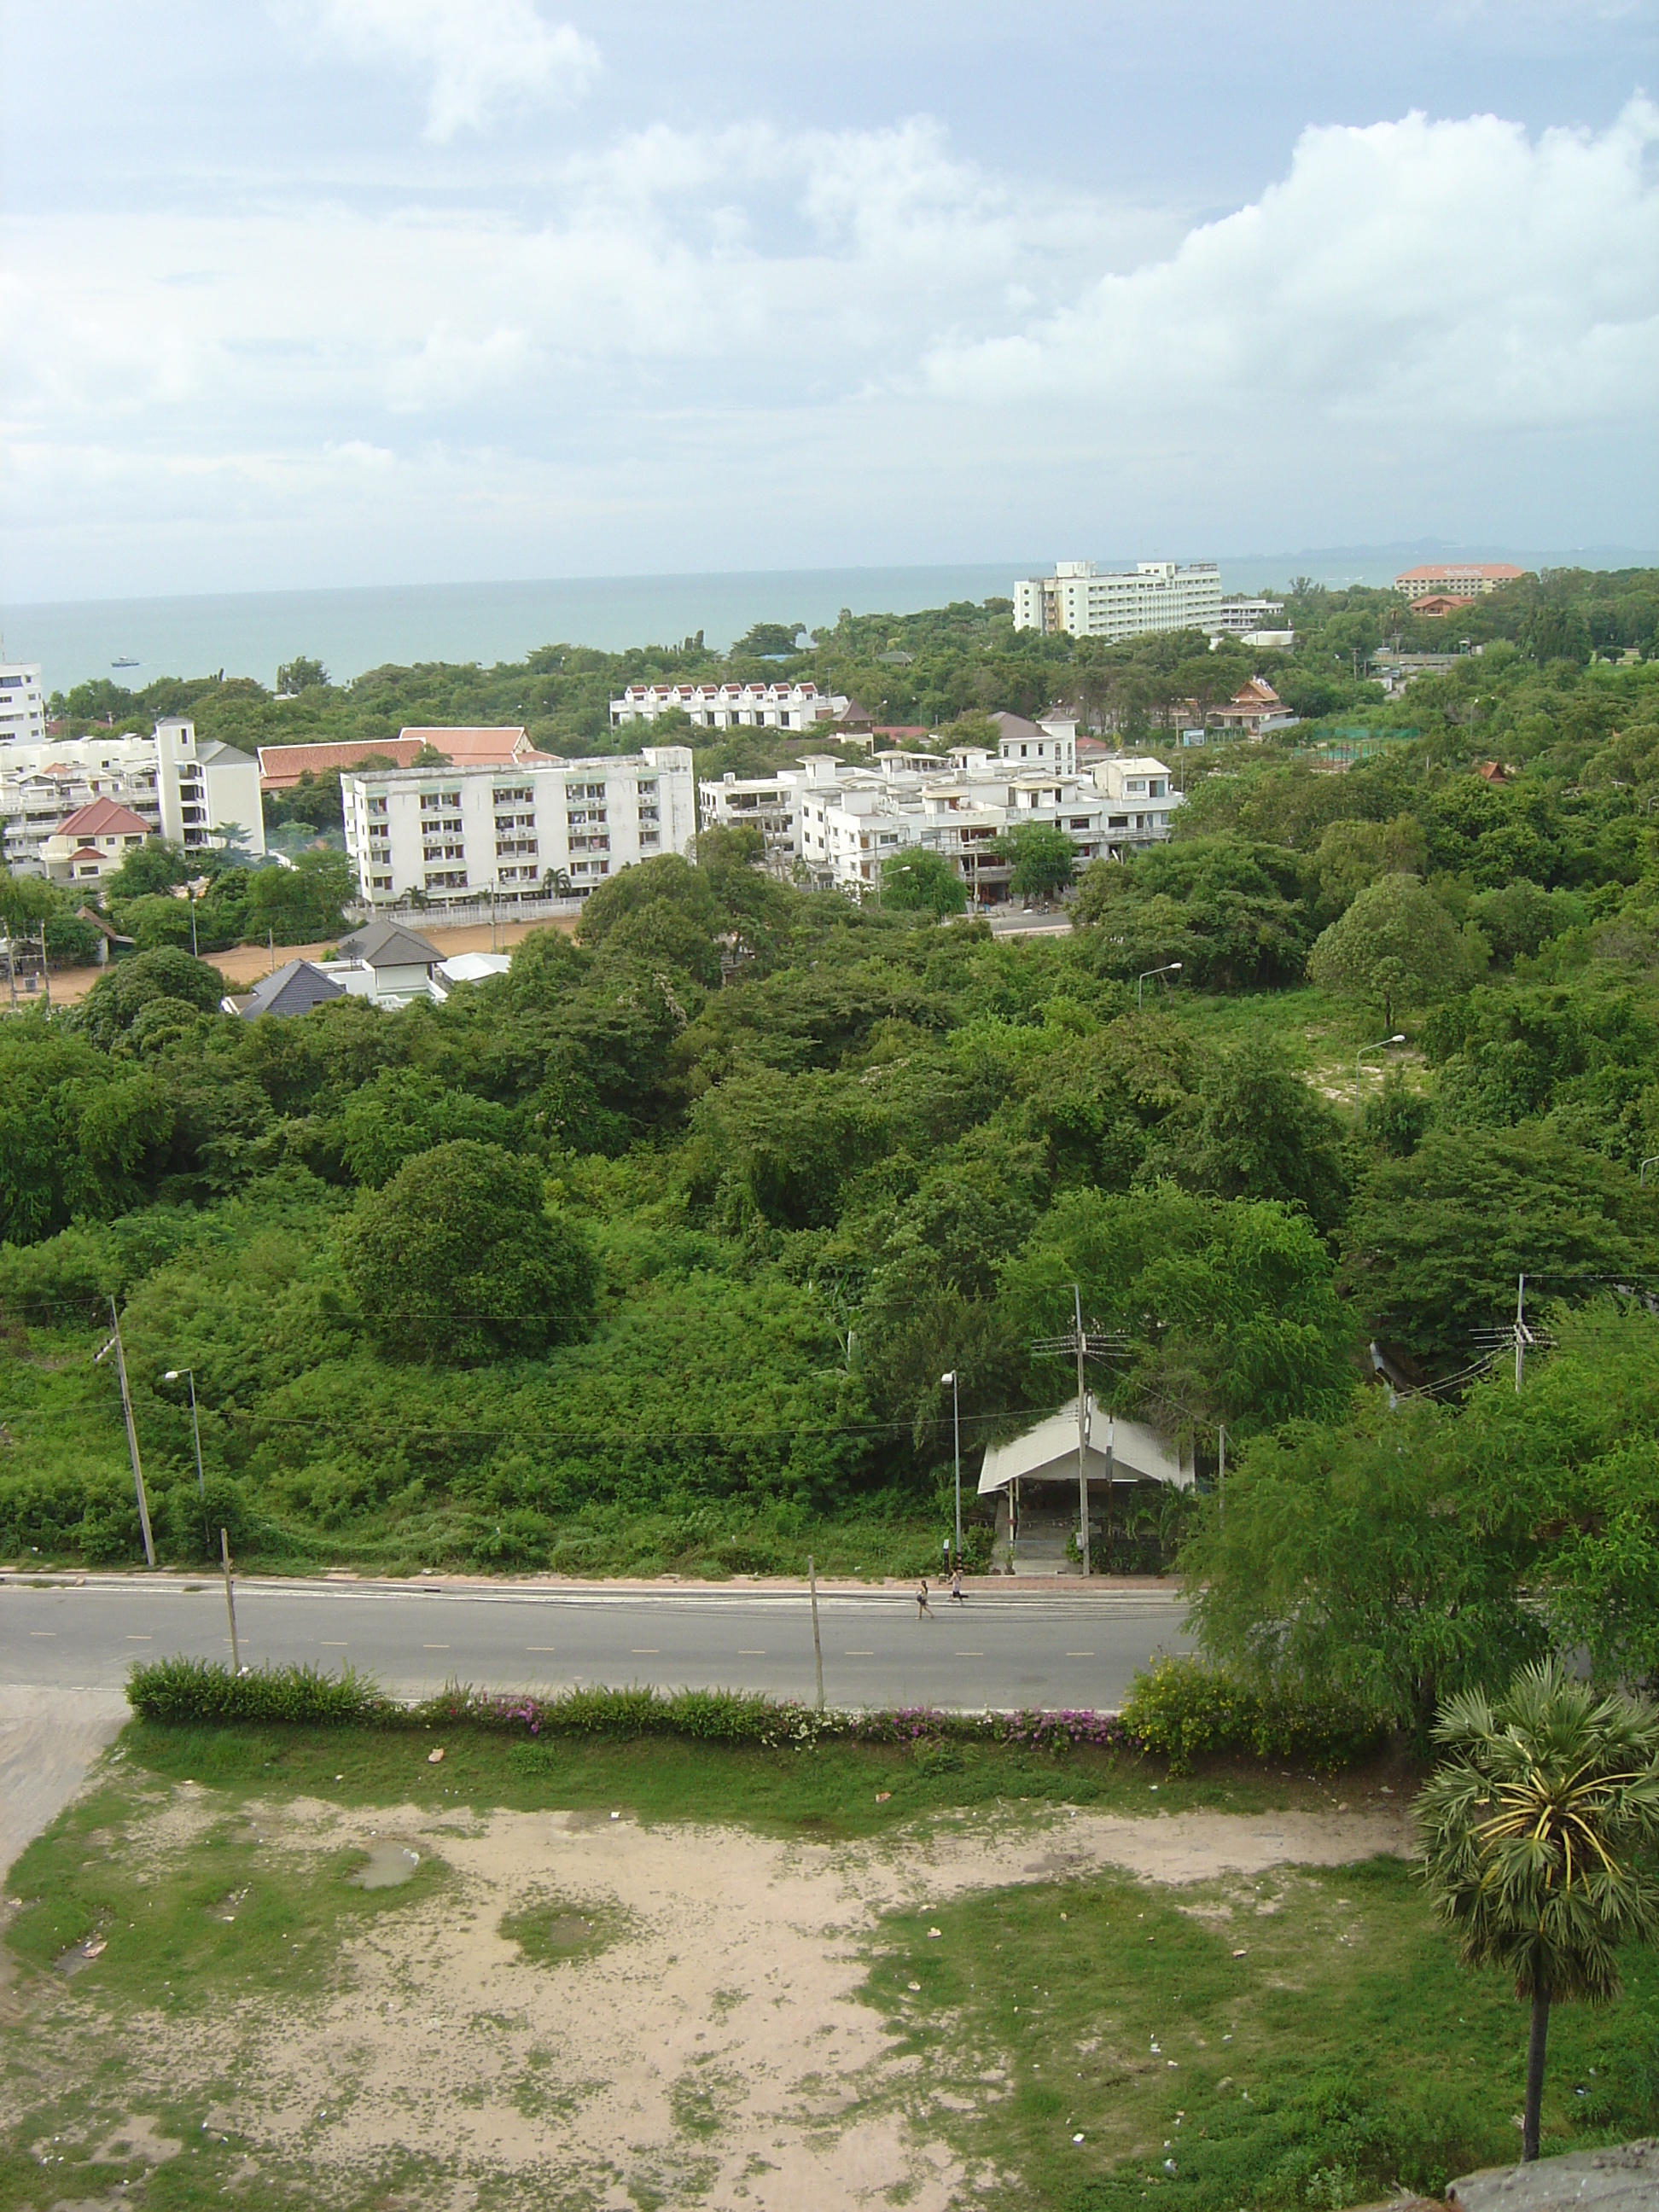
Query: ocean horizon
[351, 629]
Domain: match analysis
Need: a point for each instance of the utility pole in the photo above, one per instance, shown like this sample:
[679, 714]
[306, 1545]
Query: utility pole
[1082, 1435]
[1221, 1479]
[230, 1603]
[172, 1376]
[818, 1646]
[1523, 1334]
[956, 1431]
[132, 1434]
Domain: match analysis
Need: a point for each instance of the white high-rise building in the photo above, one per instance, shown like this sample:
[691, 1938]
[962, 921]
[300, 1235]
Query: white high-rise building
[1079, 600]
[463, 833]
[23, 703]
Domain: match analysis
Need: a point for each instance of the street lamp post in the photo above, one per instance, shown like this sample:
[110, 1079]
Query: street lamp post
[174, 1375]
[1652, 1161]
[1382, 1045]
[1169, 967]
[956, 1431]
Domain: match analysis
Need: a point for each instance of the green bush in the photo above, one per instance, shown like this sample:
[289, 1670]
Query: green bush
[1181, 1707]
[195, 1690]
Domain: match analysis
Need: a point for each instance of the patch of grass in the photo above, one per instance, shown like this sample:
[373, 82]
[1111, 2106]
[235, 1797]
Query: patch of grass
[554, 1929]
[831, 1792]
[1345, 2050]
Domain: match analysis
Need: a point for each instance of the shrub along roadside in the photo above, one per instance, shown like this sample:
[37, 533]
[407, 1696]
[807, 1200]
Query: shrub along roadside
[1181, 1707]
[1177, 1711]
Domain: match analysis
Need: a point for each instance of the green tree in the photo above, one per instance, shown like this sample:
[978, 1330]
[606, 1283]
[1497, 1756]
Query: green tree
[1265, 1133]
[1537, 1835]
[1557, 634]
[458, 1258]
[769, 639]
[1434, 1242]
[153, 866]
[302, 675]
[1396, 946]
[302, 904]
[917, 881]
[1358, 1560]
[116, 1000]
[1044, 860]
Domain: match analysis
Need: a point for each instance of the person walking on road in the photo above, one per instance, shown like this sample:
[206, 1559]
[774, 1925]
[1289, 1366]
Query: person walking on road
[956, 1585]
[922, 1605]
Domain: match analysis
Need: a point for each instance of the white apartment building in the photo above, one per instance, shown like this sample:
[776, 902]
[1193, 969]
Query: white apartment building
[837, 825]
[1079, 600]
[23, 703]
[730, 706]
[182, 789]
[1239, 617]
[457, 833]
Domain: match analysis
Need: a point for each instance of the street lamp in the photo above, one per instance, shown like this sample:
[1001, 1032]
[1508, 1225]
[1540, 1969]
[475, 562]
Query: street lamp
[956, 1429]
[188, 1374]
[1652, 1161]
[1170, 967]
[1382, 1045]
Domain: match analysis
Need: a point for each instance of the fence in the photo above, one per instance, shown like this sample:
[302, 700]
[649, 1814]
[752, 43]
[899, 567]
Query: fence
[467, 913]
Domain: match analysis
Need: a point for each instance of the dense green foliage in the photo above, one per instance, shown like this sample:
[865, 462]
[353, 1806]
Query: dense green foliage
[641, 1255]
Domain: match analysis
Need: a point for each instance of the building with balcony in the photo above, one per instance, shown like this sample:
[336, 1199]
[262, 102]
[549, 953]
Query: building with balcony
[1458, 581]
[92, 842]
[780, 705]
[1079, 600]
[190, 791]
[509, 832]
[23, 703]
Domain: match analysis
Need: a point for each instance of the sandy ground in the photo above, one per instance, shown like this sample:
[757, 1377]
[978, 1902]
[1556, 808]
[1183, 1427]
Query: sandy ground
[716, 2048]
[49, 1740]
[245, 963]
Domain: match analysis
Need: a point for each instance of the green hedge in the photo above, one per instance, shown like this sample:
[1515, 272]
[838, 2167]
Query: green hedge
[1177, 1710]
[1181, 1707]
[195, 1690]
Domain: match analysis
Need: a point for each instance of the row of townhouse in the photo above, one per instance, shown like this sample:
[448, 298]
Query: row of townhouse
[837, 825]
[781, 706]
[508, 831]
[171, 784]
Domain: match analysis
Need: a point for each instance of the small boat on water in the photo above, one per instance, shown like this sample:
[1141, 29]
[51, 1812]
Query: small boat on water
[126, 661]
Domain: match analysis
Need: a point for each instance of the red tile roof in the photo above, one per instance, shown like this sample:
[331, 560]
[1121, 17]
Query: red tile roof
[104, 817]
[281, 766]
[1499, 571]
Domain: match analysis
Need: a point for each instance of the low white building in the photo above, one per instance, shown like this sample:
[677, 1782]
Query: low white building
[781, 706]
[187, 790]
[23, 703]
[463, 833]
[1237, 616]
[1079, 600]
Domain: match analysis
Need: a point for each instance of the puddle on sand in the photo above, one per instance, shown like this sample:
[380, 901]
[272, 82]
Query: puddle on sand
[389, 1865]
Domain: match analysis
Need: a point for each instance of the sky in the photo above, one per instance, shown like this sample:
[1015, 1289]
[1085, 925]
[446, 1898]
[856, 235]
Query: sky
[309, 293]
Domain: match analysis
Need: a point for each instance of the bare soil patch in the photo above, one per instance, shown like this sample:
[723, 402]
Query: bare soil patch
[714, 2048]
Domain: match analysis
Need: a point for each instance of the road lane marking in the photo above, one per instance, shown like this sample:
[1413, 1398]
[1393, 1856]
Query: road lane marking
[334, 1643]
[742, 1654]
[645, 1651]
[538, 1647]
[43, 1632]
[970, 1655]
[137, 1639]
[859, 1655]
[1080, 1655]
[434, 1647]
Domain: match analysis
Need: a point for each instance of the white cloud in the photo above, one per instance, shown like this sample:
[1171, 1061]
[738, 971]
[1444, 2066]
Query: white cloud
[761, 345]
[479, 55]
[1409, 274]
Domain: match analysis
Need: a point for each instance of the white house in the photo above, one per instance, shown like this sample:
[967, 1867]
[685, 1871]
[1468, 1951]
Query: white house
[1079, 600]
[1035, 1480]
[779, 706]
[458, 833]
[1237, 616]
[92, 842]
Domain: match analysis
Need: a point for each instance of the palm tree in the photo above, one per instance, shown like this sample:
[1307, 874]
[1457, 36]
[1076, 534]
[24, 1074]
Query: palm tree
[1536, 1837]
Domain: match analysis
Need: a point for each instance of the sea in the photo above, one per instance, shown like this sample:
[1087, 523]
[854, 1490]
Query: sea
[132, 641]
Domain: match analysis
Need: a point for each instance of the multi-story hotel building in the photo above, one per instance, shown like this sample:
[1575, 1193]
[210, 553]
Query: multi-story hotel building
[729, 705]
[1079, 600]
[508, 831]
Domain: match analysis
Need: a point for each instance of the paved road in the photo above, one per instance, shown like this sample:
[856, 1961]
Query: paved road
[1063, 1646]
